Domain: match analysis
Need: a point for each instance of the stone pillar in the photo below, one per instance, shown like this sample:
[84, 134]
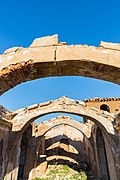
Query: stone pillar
[40, 170]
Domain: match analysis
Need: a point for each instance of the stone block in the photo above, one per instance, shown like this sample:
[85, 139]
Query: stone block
[45, 41]
[109, 45]
[34, 106]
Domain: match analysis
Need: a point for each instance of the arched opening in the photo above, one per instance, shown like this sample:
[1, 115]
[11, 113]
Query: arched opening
[24, 164]
[105, 107]
[102, 157]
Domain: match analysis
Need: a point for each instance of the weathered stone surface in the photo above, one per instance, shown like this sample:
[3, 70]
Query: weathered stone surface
[108, 45]
[45, 41]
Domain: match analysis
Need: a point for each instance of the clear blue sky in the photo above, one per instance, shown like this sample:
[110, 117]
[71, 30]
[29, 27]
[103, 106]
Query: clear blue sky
[76, 22]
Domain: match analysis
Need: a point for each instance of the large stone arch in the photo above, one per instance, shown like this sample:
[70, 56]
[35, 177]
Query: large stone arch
[42, 59]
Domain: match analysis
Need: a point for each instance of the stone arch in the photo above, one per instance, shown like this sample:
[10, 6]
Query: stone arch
[19, 65]
[64, 104]
[46, 126]
[24, 117]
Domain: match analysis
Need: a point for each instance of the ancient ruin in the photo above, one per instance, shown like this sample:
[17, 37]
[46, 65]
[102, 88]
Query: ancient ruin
[28, 148]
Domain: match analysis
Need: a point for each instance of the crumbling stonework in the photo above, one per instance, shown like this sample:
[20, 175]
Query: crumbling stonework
[25, 148]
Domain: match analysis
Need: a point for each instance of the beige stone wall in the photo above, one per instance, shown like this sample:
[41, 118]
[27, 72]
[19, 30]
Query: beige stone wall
[114, 105]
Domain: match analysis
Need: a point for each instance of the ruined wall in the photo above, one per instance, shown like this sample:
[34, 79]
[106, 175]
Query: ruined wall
[112, 103]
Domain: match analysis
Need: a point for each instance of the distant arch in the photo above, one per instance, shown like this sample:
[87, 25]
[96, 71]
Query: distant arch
[46, 126]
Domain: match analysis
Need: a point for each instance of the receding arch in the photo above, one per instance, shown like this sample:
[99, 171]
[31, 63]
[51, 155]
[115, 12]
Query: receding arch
[46, 126]
[56, 122]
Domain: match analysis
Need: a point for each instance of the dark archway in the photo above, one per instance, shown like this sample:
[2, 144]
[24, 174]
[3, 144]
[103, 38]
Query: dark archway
[102, 157]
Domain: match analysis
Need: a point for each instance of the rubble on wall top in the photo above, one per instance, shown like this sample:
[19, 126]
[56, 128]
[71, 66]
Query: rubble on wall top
[102, 99]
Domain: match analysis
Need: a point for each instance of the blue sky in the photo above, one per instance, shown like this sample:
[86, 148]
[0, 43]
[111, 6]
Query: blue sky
[76, 22]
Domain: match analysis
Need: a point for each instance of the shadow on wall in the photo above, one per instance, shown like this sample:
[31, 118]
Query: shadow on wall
[64, 146]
